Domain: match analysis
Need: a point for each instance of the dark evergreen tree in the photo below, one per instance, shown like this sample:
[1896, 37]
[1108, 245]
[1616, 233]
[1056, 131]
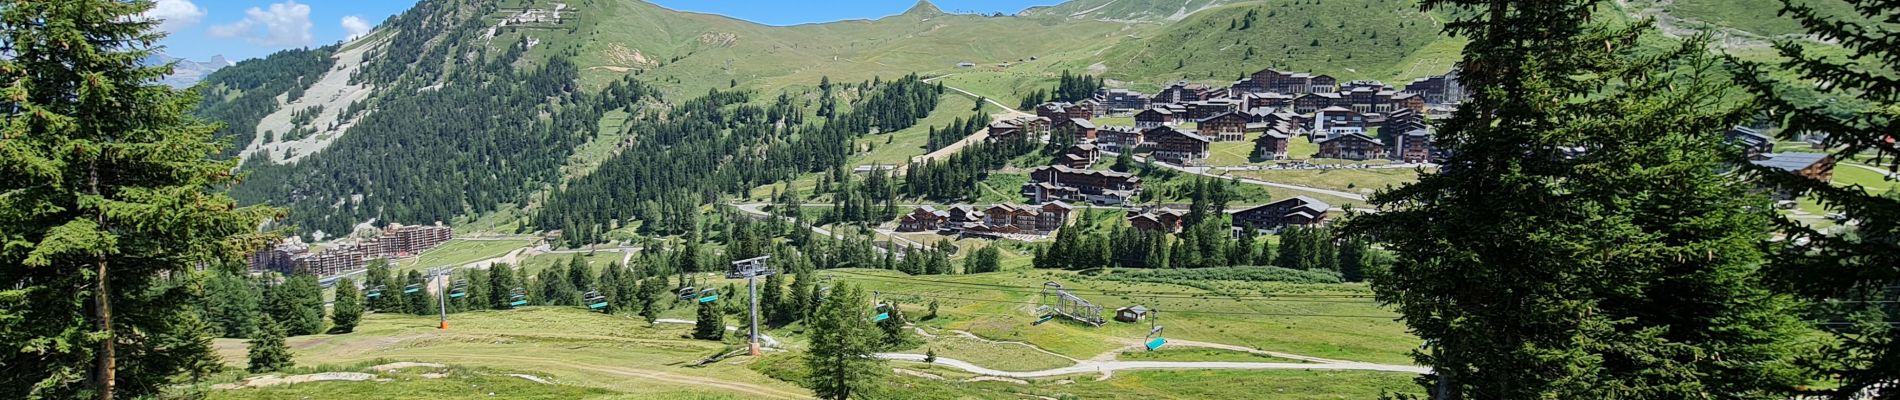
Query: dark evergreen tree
[297, 305]
[710, 323]
[231, 303]
[843, 346]
[347, 310]
[111, 191]
[1858, 272]
[267, 350]
[1533, 270]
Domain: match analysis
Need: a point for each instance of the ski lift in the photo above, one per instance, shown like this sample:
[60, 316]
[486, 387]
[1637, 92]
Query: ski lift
[687, 293]
[708, 295]
[1046, 315]
[517, 297]
[883, 313]
[1154, 340]
[459, 290]
[595, 301]
[412, 288]
[376, 291]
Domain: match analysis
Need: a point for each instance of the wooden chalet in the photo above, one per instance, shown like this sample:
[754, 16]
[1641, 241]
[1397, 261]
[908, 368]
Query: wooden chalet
[1119, 138]
[1179, 146]
[1229, 126]
[1413, 146]
[1272, 217]
[1160, 115]
[1015, 219]
[1351, 146]
[1080, 156]
[1081, 128]
[1063, 183]
[1157, 219]
[1182, 93]
[922, 219]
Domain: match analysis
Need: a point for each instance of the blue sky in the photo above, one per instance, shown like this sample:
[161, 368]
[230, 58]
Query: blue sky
[241, 29]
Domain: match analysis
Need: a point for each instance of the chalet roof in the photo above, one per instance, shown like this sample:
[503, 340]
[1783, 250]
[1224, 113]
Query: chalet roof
[1297, 202]
[1074, 157]
[1082, 123]
[1138, 309]
[1224, 115]
[1328, 95]
[1187, 133]
[1791, 162]
[1066, 170]
[1425, 133]
[1158, 110]
[1750, 133]
[1057, 204]
[1350, 134]
[1335, 109]
[1268, 95]
[1083, 147]
[1146, 216]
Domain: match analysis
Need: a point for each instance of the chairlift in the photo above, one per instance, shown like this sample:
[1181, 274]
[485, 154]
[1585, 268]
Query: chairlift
[708, 295]
[687, 293]
[1154, 340]
[595, 301]
[517, 297]
[883, 313]
[459, 290]
[376, 291]
[412, 288]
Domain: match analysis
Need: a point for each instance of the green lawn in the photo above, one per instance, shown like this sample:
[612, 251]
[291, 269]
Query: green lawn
[896, 148]
[459, 251]
[595, 261]
[1361, 181]
[1352, 329]
[410, 383]
[1848, 174]
[997, 356]
[1198, 354]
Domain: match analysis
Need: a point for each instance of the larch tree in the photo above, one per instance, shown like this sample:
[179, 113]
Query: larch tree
[110, 188]
[1582, 242]
[1855, 102]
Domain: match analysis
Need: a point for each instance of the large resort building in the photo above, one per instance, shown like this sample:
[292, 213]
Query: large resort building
[395, 241]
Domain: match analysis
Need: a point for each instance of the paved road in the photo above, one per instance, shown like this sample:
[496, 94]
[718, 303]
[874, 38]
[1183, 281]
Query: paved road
[1090, 366]
[980, 135]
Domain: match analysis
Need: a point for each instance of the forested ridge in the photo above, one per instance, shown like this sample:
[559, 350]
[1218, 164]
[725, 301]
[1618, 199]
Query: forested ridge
[244, 93]
[716, 144]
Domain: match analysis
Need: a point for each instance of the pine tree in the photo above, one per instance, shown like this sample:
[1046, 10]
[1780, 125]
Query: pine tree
[1858, 272]
[1532, 271]
[268, 352]
[770, 296]
[794, 306]
[710, 324]
[189, 343]
[843, 346]
[231, 303]
[501, 285]
[297, 305]
[110, 187]
[649, 298]
[348, 308]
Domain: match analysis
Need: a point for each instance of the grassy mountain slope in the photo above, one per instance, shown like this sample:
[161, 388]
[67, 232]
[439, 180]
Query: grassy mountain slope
[1127, 10]
[691, 52]
[1350, 39]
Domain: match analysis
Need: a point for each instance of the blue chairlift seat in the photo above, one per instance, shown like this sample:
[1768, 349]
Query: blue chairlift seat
[1045, 318]
[709, 299]
[1156, 343]
[881, 317]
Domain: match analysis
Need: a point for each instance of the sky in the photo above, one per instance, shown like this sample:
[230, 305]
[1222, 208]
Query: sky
[242, 29]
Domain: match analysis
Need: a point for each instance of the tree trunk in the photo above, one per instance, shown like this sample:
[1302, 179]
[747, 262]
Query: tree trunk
[108, 368]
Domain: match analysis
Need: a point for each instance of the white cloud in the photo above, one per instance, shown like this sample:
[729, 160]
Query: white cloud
[355, 26]
[175, 15]
[285, 24]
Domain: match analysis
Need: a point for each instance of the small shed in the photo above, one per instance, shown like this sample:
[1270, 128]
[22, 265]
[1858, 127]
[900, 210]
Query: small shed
[1134, 313]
